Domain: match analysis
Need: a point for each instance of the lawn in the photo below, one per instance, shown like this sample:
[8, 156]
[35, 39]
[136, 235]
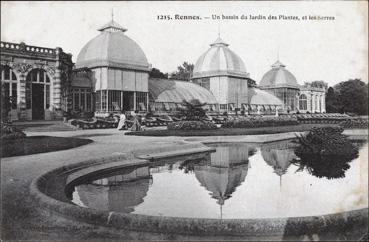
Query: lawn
[39, 144]
[231, 131]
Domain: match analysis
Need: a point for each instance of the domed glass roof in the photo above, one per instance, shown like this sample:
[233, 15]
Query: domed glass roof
[260, 97]
[278, 76]
[219, 60]
[169, 91]
[112, 48]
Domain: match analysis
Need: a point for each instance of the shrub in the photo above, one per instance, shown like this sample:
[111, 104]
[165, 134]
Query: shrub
[193, 110]
[255, 122]
[191, 125]
[10, 132]
[325, 152]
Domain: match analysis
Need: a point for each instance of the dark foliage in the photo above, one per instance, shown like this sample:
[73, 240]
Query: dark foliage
[350, 97]
[9, 132]
[191, 125]
[156, 73]
[184, 72]
[325, 152]
[254, 122]
[331, 102]
[188, 166]
[193, 110]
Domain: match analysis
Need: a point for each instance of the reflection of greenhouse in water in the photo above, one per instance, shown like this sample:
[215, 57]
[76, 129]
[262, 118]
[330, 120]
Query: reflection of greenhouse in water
[220, 173]
[279, 156]
[110, 194]
[224, 171]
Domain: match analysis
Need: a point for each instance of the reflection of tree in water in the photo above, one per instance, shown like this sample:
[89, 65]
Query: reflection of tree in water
[188, 166]
[325, 152]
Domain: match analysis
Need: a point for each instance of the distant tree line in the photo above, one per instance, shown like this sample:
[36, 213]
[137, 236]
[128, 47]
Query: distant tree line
[184, 72]
[348, 97]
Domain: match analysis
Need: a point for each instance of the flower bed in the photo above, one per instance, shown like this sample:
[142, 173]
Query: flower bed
[254, 122]
[95, 123]
[191, 125]
[315, 118]
[10, 132]
[360, 123]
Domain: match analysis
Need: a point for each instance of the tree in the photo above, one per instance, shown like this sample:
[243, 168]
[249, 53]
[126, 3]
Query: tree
[319, 84]
[184, 72]
[193, 110]
[331, 101]
[352, 96]
[251, 82]
[156, 73]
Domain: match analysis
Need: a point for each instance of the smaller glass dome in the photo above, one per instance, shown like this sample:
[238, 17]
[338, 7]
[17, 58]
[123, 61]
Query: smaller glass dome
[278, 76]
[219, 60]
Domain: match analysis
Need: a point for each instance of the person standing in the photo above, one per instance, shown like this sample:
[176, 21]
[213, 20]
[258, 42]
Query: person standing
[136, 122]
[122, 121]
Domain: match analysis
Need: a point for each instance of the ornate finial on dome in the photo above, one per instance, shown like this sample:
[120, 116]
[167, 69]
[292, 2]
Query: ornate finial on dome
[112, 14]
[218, 42]
[278, 64]
[112, 26]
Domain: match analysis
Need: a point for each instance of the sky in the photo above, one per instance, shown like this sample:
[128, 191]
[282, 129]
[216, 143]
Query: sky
[329, 50]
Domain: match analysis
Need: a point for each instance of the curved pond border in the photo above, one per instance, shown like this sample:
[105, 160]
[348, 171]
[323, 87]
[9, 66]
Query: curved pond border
[178, 225]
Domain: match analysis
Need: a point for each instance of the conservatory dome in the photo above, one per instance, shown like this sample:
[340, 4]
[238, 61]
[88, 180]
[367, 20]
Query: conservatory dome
[219, 60]
[114, 49]
[278, 76]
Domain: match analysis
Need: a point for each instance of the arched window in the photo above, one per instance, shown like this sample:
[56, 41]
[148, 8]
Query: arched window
[9, 82]
[303, 102]
[37, 92]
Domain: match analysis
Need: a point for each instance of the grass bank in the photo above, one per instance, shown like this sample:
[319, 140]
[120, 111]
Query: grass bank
[39, 144]
[231, 131]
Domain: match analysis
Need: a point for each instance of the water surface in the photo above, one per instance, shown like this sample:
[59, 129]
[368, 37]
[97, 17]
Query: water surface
[237, 181]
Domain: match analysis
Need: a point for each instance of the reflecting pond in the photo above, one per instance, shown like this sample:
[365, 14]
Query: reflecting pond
[237, 181]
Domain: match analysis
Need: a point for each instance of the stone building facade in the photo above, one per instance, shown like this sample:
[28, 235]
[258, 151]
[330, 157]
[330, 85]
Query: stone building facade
[36, 79]
[312, 99]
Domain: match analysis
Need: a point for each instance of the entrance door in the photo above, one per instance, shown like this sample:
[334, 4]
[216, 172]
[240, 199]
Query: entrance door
[38, 111]
[128, 103]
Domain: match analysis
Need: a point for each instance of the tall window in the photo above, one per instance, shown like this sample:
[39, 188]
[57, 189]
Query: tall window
[141, 100]
[9, 82]
[81, 99]
[303, 102]
[115, 100]
[38, 76]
